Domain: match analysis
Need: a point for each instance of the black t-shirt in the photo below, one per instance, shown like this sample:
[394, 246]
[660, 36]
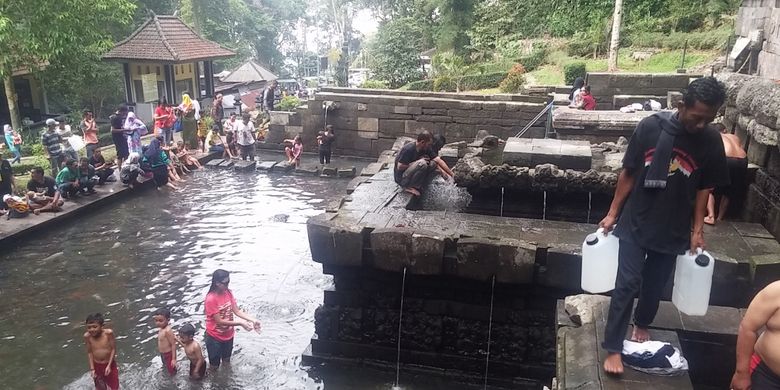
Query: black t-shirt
[117, 121]
[47, 187]
[327, 141]
[407, 155]
[95, 160]
[660, 219]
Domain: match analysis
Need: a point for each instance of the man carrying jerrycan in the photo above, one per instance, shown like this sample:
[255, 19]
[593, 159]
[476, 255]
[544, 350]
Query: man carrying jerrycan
[672, 162]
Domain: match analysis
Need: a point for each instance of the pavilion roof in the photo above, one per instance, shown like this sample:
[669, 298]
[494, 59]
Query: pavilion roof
[164, 38]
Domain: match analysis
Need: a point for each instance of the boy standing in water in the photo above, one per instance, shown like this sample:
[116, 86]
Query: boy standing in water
[101, 350]
[193, 351]
[166, 341]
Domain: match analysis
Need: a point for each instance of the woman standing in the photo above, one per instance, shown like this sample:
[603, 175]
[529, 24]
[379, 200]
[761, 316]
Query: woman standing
[11, 139]
[134, 129]
[163, 120]
[189, 123]
[220, 309]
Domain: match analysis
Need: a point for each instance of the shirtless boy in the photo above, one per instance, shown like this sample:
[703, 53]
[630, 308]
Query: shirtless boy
[101, 350]
[166, 341]
[736, 158]
[193, 351]
[758, 358]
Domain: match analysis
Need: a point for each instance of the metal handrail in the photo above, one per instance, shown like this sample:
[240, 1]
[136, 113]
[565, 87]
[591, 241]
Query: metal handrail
[536, 118]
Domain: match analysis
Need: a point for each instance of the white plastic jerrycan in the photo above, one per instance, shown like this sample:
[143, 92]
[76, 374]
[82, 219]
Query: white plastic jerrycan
[599, 262]
[692, 282]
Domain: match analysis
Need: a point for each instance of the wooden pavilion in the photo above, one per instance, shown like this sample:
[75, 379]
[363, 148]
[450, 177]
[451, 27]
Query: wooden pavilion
[165, 57]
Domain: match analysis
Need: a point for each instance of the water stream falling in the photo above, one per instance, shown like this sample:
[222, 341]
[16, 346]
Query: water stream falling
[490, 328]
[445, 195]
[400, 321]
[590, 205]
[544, 207]
[501, 212]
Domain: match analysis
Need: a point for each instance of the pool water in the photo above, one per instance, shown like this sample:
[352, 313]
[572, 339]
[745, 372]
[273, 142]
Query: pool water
[159, 249]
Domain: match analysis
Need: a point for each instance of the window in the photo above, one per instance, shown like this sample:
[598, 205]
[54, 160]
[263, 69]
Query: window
[138, 69]
[158, 70]
[190, 68]
[139, 91]
[147, 69]
[177, 69]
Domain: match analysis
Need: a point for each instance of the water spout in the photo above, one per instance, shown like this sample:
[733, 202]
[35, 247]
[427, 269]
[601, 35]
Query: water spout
[501, 212]
[544, 207]
[490, 329]
[590, 204]
[400, 321]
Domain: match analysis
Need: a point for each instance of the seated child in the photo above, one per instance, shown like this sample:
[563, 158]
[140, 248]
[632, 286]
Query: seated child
[101, 350]
[166, 341]
[294, 150]
[230, 140]
[174, 156]
[193, 351]
[87, 178]
[185, 157]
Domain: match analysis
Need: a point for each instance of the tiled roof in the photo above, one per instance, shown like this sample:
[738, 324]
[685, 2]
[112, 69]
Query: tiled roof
[166, 39]
[247, 72]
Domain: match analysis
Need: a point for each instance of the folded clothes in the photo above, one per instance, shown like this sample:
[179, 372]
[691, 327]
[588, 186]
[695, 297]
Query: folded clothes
[654, 357]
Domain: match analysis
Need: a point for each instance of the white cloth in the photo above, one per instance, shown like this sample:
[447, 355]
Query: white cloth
[196, 107]
[632, 347]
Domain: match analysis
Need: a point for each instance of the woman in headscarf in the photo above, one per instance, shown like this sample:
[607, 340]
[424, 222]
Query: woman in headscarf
[189, 123]
[576, 91]
[14, 142]
[156, 159]
[134, 129]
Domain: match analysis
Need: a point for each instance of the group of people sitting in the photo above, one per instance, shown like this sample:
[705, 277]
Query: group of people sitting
[580, 96]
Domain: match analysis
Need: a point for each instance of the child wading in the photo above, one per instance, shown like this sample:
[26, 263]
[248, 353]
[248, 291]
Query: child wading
[166, 341]
[193, 351]
[101, 350]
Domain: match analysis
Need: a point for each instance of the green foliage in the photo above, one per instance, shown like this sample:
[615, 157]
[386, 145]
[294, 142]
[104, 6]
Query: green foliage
[514, 81]
[395, 52]
[420, 85]
[534, 59]
[443, 84]
[28, 164]
[374, 84]
[573, 70]
[455, 18]
[289, 103]
[700, 40]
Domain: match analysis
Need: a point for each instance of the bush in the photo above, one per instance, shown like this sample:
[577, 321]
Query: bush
[374, 84]
[289, 103]
[421, 85]
[534, 59]
[514, 81]
[443, 84]
[573, 70]
[25, 167]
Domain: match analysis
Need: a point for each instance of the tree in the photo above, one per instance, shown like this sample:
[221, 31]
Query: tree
[44, 31]
[614, 44]
[455, 19]
[395, 52]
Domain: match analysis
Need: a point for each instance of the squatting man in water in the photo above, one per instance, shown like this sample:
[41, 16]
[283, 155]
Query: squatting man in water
[416, 163]
[673, 161]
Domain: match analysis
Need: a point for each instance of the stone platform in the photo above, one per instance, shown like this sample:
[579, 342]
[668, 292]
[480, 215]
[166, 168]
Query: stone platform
[595, 126]
[530, 152]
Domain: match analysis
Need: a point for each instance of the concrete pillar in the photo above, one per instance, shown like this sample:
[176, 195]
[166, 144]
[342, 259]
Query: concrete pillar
[128, 83]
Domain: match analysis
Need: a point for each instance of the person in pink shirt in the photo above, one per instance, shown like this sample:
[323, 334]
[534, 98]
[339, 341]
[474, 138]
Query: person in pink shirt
[294, 150]
[221, 308]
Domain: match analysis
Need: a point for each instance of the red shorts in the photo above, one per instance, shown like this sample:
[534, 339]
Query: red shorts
[167, 363]
[755, 360]
[103, 381]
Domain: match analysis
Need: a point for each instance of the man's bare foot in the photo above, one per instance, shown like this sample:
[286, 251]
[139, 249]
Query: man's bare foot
[613, 364]
[37, 212]
[640, 335]
[709, 220]
[412, 191]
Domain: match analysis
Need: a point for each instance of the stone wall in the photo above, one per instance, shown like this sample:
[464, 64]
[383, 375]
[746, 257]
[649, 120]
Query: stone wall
[752, 112]
[367, 124]
[762, 15]
[605, 86]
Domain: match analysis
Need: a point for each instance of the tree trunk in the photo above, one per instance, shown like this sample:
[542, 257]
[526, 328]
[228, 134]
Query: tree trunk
[10, 93]
[615, 42]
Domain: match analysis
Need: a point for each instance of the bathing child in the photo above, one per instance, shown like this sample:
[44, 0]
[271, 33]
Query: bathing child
[193, 351]
[166, 341]
[101, 350]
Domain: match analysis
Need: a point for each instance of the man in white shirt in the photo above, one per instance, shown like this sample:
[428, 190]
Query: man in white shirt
[245, 137]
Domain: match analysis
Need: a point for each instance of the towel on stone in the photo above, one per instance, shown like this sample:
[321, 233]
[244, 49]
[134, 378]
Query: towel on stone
[654, 357]
[662, 156]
